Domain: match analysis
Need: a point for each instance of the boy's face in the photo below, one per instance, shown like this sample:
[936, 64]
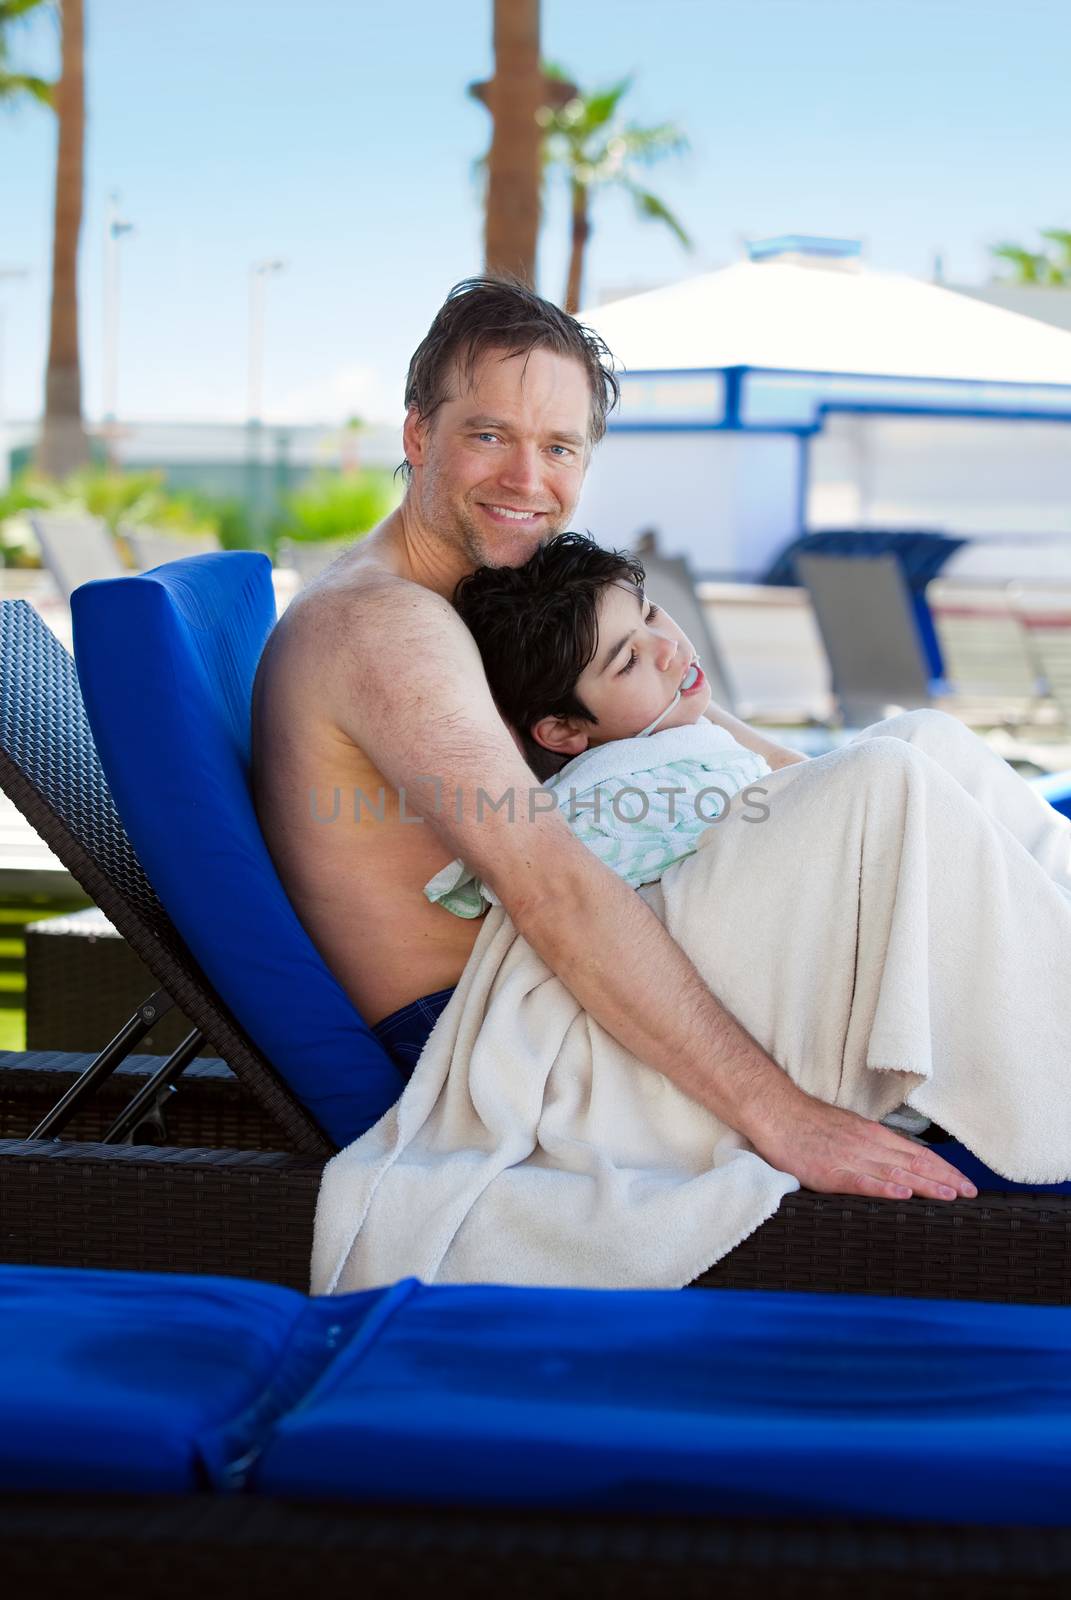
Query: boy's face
[641, 660]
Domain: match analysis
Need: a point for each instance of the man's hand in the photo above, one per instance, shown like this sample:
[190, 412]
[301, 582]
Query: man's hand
[836, 1152]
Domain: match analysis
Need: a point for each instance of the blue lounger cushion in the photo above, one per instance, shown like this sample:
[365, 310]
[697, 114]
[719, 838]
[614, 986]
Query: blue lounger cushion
[166, 662]
[984, 1177]
[637, 1402]
[729, 1404]
[146, 1383]
[1055, 787]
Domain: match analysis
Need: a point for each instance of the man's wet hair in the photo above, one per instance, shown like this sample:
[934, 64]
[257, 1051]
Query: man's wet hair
[536, 628]
[505, 315]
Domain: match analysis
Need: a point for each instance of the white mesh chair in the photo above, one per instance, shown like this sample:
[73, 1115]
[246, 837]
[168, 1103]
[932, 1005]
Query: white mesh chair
[867, 622]
[151, 548]
[671, 584]
[1045, 611]
[75, 549]
[991, 659]
[308, 558]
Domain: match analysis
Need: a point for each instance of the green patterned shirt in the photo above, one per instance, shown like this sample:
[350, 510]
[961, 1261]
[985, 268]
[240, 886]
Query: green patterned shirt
[639, 804]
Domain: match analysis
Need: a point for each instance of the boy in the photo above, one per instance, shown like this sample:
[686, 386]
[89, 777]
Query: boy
[606, 697]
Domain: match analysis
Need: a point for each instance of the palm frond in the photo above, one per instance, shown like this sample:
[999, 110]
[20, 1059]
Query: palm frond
[12, 10]
[1030, 266]
[651, 144]
[1061, 237]
[652, 209]
[601, 107]
[13, 85]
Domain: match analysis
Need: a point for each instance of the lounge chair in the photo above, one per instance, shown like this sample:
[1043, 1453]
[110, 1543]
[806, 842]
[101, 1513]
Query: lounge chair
[990, 660]
[152, 548]
[180, 1435]
[309, 557]
[174, 737]
[868, 623]
[672, 584]
[75, 549]
[1044, 611]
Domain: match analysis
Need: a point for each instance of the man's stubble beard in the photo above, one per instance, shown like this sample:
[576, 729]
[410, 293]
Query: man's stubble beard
[475, 550]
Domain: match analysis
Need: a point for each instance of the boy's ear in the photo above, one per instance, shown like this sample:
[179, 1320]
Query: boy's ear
[563, 736]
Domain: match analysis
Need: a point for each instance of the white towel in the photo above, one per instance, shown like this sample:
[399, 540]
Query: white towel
[882, 934]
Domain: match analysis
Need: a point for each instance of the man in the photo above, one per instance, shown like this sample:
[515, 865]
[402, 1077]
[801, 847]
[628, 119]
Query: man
[372, 687]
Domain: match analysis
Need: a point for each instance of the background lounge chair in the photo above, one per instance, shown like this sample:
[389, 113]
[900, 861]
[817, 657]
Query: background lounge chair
[309, 557]
[75, 549]
[152, 548]
[990, 662]
[175, 734]
[1044, 611]
[671, 583]
[867, 620]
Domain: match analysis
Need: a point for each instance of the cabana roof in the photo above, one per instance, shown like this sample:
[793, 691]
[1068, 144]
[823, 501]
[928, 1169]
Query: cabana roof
[784, 317]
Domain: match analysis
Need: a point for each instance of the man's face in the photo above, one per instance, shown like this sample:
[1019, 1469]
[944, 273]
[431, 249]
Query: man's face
[498, 467]
[641, 660]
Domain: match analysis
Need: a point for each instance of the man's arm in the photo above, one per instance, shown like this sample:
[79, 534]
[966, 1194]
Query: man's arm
[778, 755]
[415, 699]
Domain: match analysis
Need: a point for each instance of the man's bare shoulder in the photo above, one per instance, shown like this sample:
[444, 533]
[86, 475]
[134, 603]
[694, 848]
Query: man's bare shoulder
[388, 664]
[362, 607]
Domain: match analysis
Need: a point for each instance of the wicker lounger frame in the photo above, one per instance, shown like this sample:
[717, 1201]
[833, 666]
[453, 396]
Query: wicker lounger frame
[277, 1550]
[249, 1213]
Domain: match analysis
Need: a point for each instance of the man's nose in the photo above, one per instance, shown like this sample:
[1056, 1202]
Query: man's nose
[522, 471]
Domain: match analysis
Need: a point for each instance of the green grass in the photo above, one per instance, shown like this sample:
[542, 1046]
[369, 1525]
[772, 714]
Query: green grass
[14, 915]
[12, 1029]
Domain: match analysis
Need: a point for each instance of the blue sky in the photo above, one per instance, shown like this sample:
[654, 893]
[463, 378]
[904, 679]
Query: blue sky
[338, 135]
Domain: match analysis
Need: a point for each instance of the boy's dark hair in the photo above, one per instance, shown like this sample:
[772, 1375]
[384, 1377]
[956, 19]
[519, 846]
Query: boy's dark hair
[536, 628]
[503, 314]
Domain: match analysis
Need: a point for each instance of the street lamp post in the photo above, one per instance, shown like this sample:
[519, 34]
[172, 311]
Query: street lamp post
[114, 229]
[259, 273]
[7, 275]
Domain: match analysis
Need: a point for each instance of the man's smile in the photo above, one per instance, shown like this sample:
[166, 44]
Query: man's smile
[512, 513]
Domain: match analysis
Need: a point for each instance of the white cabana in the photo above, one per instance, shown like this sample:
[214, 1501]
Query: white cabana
[798, 393]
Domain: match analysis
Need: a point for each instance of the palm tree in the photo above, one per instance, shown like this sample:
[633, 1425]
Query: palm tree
[1051, 268]
[515, 96]
[594, 148]
[64, 446]
[14, 85]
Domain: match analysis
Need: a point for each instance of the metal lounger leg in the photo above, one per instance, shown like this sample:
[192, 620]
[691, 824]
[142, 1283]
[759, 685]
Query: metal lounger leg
[147, 1105]
[146, 1016]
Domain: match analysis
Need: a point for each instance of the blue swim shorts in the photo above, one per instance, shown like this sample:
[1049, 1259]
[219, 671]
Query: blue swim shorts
[404, 1033]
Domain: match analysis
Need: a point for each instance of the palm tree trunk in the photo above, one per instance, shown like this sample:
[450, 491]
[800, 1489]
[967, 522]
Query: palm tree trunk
[515, 95]
[581, 233]
[64, 446]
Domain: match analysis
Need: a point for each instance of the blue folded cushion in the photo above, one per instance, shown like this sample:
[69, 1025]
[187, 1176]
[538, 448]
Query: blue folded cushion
[145, 1383]
[166, 662]
[1055, 787]
[984, 1177]
[728, 1403]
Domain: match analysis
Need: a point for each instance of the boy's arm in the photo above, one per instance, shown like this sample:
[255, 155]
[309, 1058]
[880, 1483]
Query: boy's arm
[778, 755]
[415, 699]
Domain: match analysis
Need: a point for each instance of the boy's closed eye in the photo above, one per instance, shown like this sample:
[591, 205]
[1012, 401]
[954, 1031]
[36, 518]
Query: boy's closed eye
[651, 614]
